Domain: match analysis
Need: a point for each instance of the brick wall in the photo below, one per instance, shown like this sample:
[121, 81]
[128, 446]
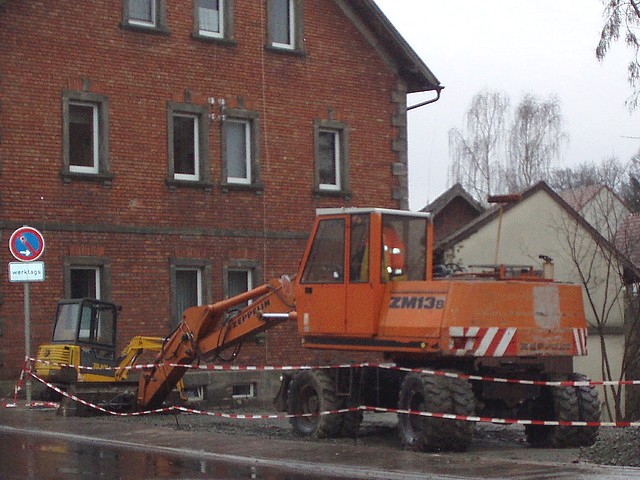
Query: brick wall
[135, 220]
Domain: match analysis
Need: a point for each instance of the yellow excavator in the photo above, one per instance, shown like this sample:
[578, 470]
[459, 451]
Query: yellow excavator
[84, 335]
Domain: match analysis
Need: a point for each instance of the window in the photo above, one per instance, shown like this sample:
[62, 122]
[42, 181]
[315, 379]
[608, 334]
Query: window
[83, 137]
[188, 291]
[284, 19]
[329, 159]
[188, 144]
[85, 140]
[213, 19]
[331, 163]
[87, 277]
[239, 277]
[190, 286]
[142, 12]
[403, 248]
[238, 143]
[186, 154]
[240, 281]
[244, 390]
[147, 15]
[240, 149]
[359, 249]
[85, 282]
[326, 259]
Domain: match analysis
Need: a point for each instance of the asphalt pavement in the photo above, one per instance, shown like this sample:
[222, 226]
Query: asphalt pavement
[351, 459]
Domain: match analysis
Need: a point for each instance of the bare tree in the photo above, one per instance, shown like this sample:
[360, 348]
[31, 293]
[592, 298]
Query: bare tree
[600, 268]
[474, 152]
[623, 179]
[630, 190]
[534, 143]
[622, 19]
[499, 150]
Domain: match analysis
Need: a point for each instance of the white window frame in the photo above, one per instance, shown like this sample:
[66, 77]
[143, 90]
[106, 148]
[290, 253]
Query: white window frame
[336, 161]
[95, 168]
[144, 23]
[198, 280]
[292, 29]
[221, 20]
[98, 277]
[248, 154]
[196, 147]
[247, 271]
[250, 394]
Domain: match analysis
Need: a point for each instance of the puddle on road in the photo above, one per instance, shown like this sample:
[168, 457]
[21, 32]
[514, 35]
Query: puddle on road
[29, 457]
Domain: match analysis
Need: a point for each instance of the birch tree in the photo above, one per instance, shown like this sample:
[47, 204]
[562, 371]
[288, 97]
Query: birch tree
[622, 20]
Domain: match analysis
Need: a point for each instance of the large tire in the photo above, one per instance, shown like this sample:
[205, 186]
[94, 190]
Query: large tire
[312, 392]
[428, 393]
[568, 404]
[589, 405]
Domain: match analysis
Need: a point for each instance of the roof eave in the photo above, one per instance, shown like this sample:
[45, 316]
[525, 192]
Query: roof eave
[409, 65]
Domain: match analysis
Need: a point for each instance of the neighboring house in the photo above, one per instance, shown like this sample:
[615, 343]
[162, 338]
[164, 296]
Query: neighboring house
[174, 152]
[543, 223]
[600, 206]
[451, 210]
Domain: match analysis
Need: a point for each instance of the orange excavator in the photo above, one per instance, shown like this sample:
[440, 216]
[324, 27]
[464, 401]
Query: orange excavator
[366, 284]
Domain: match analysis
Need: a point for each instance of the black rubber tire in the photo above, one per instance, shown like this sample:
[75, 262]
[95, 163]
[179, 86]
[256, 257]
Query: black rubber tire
[313, 391]
[428, 393]
[589, 406]
[555, 404]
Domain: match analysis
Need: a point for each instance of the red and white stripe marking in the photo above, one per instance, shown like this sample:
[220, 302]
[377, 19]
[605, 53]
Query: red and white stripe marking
[498, 342]
[580, 340]
[484, 342]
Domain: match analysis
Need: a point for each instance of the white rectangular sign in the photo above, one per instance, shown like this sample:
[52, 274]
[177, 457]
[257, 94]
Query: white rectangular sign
[26, 271]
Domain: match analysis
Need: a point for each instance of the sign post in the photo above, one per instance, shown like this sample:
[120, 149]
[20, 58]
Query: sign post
[27, 245]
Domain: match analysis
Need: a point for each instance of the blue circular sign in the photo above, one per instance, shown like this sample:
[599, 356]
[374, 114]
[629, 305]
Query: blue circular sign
[26, 244]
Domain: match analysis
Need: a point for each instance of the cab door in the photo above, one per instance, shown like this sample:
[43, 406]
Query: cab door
[321, 292]
[363, 290]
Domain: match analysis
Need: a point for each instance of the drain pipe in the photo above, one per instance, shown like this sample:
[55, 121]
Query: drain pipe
[427, 102]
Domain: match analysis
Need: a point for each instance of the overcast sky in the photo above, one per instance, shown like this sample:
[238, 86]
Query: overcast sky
[542, 47]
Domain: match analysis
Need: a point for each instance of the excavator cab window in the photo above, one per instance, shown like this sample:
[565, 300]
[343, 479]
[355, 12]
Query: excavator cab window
[403, 248]
[326, 259]
[359, 249]
[85, 321]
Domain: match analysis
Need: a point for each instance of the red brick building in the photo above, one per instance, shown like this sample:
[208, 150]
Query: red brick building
[174, 152]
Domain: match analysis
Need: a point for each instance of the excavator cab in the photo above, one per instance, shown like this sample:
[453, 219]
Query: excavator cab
[353, 255]
[84, 334]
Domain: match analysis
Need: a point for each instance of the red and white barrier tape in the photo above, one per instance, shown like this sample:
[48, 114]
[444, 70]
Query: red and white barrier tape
[387, 366]
[364, 408]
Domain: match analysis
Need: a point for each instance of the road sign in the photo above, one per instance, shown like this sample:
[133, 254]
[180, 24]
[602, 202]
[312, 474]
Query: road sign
[26, 244]
[26, 271]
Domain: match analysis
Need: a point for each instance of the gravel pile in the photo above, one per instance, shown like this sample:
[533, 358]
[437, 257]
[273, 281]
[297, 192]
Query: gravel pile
[615, 446]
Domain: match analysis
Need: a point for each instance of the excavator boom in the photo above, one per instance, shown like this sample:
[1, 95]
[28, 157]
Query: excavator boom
[207, 330]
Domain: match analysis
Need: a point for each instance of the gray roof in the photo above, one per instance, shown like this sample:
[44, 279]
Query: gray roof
[449, 195]
[395, 50]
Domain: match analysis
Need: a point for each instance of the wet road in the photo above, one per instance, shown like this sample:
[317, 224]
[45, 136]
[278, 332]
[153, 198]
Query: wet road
[25, 456]
[43, 445]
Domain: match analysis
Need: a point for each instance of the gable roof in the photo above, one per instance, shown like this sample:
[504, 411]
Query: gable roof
[579, 197]
[394, 49]
[492, 213]
[627, 238]
[448, 196]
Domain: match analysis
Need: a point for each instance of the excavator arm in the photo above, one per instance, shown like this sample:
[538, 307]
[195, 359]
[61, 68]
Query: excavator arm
[207, 330]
